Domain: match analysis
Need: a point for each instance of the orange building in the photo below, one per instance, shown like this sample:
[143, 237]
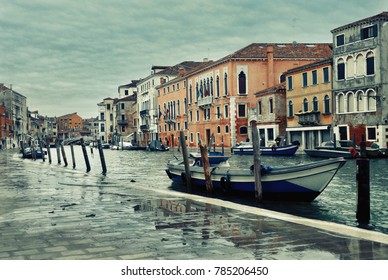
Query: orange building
[6, 127]
[309, 104]
[69, 126]
[220, 94]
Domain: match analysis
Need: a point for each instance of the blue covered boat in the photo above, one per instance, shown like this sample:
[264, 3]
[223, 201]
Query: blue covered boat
[247, 149]
[288, 183]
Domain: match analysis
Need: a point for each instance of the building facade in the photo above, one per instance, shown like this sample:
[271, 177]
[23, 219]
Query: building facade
[360, 80]
[69, 126]
[16, 106]
[309, 104]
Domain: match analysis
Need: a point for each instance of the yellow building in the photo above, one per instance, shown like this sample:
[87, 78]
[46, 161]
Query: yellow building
[309, 104]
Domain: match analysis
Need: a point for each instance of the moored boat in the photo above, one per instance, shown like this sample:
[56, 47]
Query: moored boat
[288, 183]
[247, 149]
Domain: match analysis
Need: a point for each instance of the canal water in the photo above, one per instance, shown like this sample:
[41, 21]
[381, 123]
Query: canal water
[130, 171]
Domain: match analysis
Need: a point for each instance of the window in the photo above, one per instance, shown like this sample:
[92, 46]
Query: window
[226, 129]
[350, 97]
[191, 116]
[360, 65]
[340, 103]
[197, 115]
[289, 82]
[371, 134]
[102, 117]
[126, 92]
[315, 104]
[218, 86]
[191, 94]
[349, 67]
[218, 129]
[305, 105]
[259, 108]
[123, 128]
[315, 77]
[226, 109]
[271, 106]
[360, 101]
[270, 134]
[304, 77]
[242, 83]
[102, 127]
[186, 125]
[326, 104]
[326, 78]
[282, 78]
[108, 106]
[340, 69]
[371, 100]
[225, 84]
[340, 39]
[218, 110]
[243, 130]
[368, 32]
[370, 64]
[290, 109]
[242, 110]
[191, 137]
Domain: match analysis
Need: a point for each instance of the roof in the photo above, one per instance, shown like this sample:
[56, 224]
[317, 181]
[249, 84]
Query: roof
[174, 70]
[276, 88]
[382, 16]
[309, 66]
[283, 51]
[67, 115]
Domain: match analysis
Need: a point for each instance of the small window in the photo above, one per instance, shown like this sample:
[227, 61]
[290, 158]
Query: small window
[242, 110]
[226, 129]
[226, 109]
[369, 32]
[290, 109]
[315, 104]
[371, 134]
[341, 69]
[289, 83]
[259, 108]
[305, 105]
[271, 106]
[326, 75]
[304, 75]
[243, 130]
[340, 39]
[218, 129]
[314, 77]
[370, 64]
[327, 104]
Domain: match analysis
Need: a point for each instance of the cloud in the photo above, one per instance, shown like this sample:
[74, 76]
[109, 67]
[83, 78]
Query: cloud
[66, 56]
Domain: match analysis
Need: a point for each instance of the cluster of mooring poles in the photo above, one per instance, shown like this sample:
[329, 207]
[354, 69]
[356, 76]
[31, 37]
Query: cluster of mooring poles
[61, 151]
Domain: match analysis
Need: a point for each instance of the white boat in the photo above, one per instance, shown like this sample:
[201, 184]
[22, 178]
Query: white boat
[302, 182]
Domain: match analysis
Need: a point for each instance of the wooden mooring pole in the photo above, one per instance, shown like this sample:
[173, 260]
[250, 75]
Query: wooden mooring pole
[186, 176]
[41, 149]
[85, 155]
[58, 153]
[256, 162]
[63, 154]
[102, 158]
[206, 167]
[72, 155]
[48, 150]
[363, 185]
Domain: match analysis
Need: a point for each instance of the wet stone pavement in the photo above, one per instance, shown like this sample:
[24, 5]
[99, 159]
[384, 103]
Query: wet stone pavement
[51, 212]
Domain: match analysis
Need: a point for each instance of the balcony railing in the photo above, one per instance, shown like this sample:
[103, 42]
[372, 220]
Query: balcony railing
[205, 101]
[144, 127]
[309, 118]
[144, 112]
[122, 122]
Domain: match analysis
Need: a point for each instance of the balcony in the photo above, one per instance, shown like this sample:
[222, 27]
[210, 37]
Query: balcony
[144, 127]
[206, 101]
[122, 122]
[144, 112]
[170, 119]
[309, 118]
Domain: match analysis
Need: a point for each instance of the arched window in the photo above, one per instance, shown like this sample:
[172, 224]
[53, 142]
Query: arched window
[340, 69]
[349, 67]
[315, 104]
[290, 109]
[226, 129]
[350, 97]
[371, 94]
[218, 129]
[226, 84]
[242, 89]
[305, 105]
[360, 65]
[243, 130]
[327, 104]
[282, 78]
[218, 86]
[211, 87]
[341, 103]
[191, 94]
[370, 63]
[361, 97]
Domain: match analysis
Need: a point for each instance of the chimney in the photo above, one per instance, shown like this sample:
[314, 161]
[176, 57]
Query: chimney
[182, 72]
[270, 72]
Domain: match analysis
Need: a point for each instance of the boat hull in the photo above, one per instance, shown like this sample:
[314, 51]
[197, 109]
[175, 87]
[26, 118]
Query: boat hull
[288, 150]
[328, 153]
[294, 183]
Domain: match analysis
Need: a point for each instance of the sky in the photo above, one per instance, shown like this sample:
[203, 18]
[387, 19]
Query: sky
[66, 56]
